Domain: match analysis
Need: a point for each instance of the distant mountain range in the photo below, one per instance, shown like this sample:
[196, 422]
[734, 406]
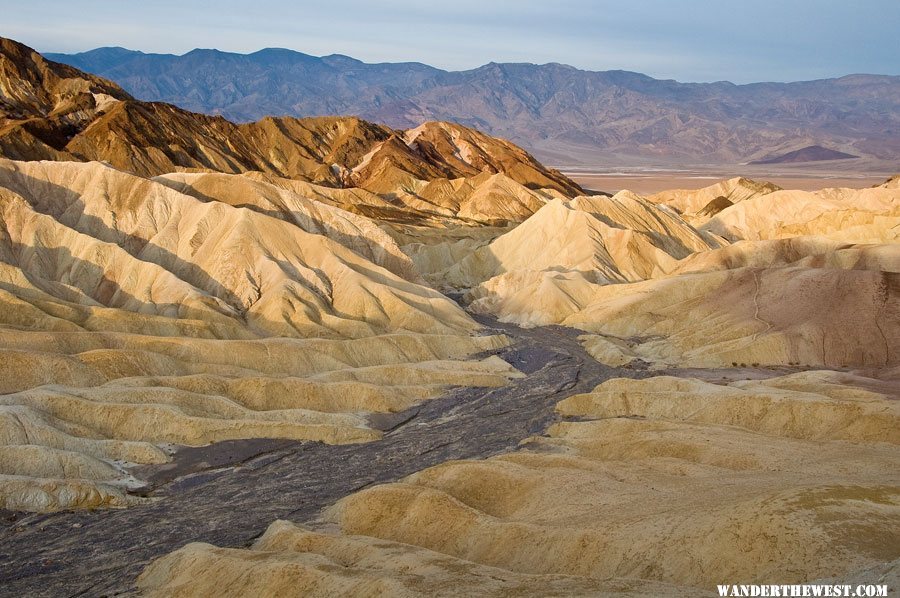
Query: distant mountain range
[51, 111]
[563, 114]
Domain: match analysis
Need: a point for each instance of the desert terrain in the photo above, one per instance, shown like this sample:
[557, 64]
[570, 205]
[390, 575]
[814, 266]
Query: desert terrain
[655, 180]
[326, 356]
[564, 115]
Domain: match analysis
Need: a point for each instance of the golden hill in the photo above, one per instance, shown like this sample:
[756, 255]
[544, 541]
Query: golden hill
[603, 239]
[781, 277]
[51, 111]
[850, 215]
[135, 314]
[729, 479]
[699, 205]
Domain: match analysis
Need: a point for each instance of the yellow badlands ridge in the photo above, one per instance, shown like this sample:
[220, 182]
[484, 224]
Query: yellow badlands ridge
[789, 479]
[136, 315]
[661, 486]
[820, 288]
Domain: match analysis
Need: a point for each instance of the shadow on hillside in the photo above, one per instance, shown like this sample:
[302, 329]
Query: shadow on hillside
[75, 217]
[59, 267]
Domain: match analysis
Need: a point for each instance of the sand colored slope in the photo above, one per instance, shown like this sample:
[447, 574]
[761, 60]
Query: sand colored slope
[616, 239]
[135, 315]
[892, 183]
[776, 316]
[813, 252]
[788, 478]
[80, 405]
[811, 405]
[108, 400]
[355, 232]
[221, 391]
[630, 211]
[289, 560]
[550, 266]
[799, 315]
[534, 298]
[487, 198]
[496, 197]
[434, 250]
[265, 270]
[655, 288]
[706, 490]
[699, 205]
[351, 199]
[609, 350]
[850, 215]
[157, 355]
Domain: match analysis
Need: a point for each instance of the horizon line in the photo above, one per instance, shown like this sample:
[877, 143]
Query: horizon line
[489, 63]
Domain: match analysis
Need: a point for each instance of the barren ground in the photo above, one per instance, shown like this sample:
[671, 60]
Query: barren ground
[655, 182]
[228, 493]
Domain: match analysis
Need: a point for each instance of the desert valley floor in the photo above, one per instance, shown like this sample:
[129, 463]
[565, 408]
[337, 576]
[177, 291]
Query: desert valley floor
[327, 357]
[647, 182]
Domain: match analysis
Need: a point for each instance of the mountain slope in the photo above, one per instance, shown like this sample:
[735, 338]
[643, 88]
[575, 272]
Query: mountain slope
[51, 111]
[619, 116]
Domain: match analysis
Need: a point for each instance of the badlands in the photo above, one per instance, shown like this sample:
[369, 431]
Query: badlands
[326, 357]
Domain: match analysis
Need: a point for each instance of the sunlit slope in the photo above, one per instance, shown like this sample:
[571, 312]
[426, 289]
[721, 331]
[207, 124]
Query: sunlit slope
[134, 315]
[754, 480]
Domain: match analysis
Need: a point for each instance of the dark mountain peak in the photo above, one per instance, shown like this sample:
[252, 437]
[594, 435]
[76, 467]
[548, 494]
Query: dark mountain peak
[810, 153]
[107, 56]
[867, 79]
[208, 52]
[489, 67]
[281, 56]
[109, 52]
[342, 60]
[627, 78]
[560, 66]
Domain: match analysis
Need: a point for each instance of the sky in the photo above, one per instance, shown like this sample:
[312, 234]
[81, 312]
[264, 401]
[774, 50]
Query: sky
[687, 40]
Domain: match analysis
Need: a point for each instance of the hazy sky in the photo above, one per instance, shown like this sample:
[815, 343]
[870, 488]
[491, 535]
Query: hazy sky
[700, 40]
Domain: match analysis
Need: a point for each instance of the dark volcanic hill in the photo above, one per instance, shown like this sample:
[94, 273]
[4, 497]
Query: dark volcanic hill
[50, 111]
[812, 153]
[560, 112]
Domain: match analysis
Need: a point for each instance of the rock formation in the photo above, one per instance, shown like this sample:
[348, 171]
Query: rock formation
[51, 111]
[135, 314]
[669, 481]
[563, 113]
